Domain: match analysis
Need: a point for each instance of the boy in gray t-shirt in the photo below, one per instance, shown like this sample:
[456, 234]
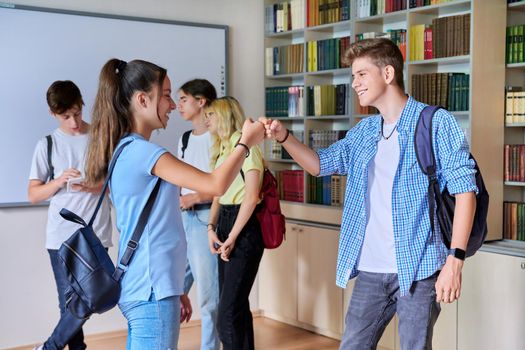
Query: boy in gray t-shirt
[57, 176]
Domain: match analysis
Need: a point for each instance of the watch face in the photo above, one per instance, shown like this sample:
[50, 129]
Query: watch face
[457, 253]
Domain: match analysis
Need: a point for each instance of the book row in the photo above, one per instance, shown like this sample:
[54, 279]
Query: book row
[284, 16]
[450, 90]
[284, 59]
[515, 105]
[514, 163]
[366, 8]
[515, 38]
[514, 220]
[326, 190]
[446, 37]
[327, 54]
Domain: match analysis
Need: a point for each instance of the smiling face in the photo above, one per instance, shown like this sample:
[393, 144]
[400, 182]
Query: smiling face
[165, 103]
[71, 121]
[368, 81]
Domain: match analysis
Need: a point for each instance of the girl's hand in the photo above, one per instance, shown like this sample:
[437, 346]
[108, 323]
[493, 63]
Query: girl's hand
[226, 248]
[185, 308]
[252, 133]
[213, 241]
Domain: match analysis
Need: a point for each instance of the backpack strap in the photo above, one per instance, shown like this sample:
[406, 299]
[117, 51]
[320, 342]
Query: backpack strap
[133, 242]
[426, 158]
[116, 154]
[49, 163]
[185, 139]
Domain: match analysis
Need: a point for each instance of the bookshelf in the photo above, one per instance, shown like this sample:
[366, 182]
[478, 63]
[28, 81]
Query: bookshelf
[514, 121]
[475, 57]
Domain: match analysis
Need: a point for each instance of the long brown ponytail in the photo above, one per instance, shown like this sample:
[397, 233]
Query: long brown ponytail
[112, 118]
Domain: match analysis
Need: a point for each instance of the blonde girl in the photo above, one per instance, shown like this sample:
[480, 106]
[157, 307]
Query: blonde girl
[234, 232]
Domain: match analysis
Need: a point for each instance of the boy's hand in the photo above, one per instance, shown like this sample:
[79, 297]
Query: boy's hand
[448, 284]
[274, 128]
[70, 173]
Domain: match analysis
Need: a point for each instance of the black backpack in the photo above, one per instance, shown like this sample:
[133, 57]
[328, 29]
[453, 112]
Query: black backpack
[443, 203]
[49, 139]
[185, 139]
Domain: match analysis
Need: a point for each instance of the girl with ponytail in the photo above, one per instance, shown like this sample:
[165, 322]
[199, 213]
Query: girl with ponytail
[133, 99]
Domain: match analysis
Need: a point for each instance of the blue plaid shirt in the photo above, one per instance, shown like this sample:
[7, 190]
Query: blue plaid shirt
[419, 253]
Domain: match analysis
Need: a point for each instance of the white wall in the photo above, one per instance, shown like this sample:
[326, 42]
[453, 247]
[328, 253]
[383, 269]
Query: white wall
[28, 302]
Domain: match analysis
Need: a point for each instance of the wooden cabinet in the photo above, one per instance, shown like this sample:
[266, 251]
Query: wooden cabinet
[491, 313]
[278, 279]
[320, 301]
[297, 280]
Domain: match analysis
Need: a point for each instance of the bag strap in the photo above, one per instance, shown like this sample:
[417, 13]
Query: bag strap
[427, 159]
[133, 243]
[49, 163]
[185, 139]
[108, 177]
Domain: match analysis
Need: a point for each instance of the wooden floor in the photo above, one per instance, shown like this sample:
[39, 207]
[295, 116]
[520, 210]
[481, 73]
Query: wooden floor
[269, 334]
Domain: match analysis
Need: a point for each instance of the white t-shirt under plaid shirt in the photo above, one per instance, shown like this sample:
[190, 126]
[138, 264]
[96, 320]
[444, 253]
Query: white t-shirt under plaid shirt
[419, 253]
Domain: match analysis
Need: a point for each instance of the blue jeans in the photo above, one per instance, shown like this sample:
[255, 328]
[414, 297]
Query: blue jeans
[202, 267]
[68, 331]
[375, 300]
[152, 324]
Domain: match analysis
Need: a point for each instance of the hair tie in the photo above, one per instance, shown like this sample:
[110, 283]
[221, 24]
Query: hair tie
[121, 66]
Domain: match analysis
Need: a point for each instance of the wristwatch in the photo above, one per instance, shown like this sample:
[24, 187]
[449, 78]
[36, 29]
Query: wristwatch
[457, 253]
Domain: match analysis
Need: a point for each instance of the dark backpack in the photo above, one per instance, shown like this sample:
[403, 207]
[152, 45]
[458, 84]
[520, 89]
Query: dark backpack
[94, 281]
[443, 203]
[49, 139]
[269, 215]
[185, 139]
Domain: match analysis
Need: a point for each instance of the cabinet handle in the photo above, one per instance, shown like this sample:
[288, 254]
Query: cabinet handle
[523, 265]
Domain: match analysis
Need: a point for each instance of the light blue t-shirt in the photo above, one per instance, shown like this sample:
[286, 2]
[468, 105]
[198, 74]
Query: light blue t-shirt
[160, 259]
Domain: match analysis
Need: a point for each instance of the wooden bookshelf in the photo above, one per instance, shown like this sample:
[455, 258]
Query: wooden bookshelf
[482, 120]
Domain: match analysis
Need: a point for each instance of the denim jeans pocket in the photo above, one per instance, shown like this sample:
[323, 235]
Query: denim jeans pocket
[202, 216]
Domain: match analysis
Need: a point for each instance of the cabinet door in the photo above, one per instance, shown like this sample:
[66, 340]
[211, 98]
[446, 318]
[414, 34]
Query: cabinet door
[278, 279]
[445, 337]
[320, 301]
[491, 312]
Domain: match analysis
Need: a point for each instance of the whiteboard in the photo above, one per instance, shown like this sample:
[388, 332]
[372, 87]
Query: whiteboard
[39, 46]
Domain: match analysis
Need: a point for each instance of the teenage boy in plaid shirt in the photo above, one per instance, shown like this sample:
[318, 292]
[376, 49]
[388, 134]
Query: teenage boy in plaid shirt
[386, 240]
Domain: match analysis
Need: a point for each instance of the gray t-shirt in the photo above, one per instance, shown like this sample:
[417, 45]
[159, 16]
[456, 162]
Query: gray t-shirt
[68, 152]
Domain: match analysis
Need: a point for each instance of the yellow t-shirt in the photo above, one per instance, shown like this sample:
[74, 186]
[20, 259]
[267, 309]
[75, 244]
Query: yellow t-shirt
[235, 193]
